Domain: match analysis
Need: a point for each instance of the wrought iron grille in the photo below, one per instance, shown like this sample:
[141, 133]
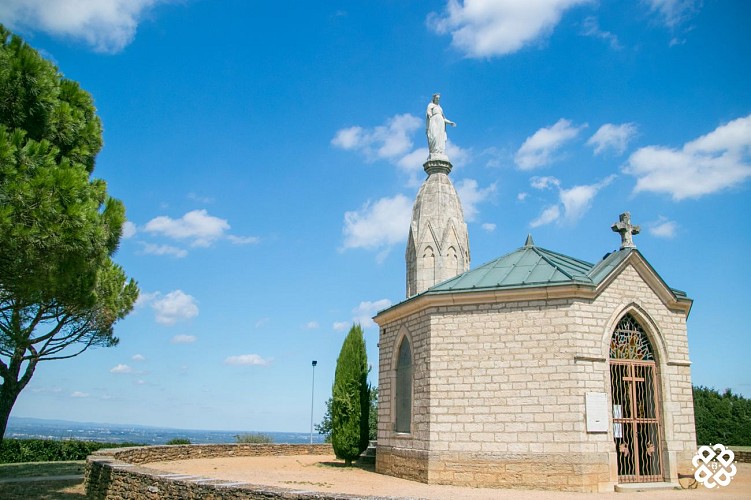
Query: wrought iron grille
[636, 415]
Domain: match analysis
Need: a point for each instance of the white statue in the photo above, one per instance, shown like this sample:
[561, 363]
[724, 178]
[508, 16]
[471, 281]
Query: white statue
[435, 129]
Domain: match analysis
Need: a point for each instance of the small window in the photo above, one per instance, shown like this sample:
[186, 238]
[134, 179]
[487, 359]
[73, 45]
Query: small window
[404, 387]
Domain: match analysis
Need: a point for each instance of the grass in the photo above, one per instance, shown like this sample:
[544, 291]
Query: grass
[69, 489]
[41, 469]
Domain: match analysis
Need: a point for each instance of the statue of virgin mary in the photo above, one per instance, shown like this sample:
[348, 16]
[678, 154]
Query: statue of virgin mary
[435, 129]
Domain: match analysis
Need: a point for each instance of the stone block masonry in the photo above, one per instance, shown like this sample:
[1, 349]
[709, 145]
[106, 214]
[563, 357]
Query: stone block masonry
[500, 382]
[122, 473]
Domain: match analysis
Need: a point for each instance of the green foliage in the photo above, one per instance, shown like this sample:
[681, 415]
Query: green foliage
[350, 398]
[60, 291]
[325, 426]
[721, 418]
[254, 438]
[176, 441]
[47, 450]
[373, 415]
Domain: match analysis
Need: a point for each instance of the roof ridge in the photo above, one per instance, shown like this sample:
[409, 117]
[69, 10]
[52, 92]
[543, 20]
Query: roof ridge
[555, 266]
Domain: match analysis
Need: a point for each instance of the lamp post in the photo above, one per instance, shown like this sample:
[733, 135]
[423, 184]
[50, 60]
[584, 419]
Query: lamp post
[312, 399]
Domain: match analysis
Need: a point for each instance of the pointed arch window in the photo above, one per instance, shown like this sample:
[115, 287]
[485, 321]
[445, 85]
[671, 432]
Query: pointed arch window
[404, 387]
[630, 341]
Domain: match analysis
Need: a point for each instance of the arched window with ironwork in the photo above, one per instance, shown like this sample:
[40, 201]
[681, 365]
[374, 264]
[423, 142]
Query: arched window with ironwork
[404, 387]
[630, 341]
[634, 392]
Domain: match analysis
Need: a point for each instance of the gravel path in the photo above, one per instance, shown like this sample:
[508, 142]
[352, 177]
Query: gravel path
[326, 474]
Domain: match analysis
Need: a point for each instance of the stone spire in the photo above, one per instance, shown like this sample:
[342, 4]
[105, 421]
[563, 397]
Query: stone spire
[438, 243]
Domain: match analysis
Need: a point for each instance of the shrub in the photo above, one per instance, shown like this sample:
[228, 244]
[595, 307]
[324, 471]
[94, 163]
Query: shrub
[48, 450]
[351, 398]
[254, 438]
[176, 441]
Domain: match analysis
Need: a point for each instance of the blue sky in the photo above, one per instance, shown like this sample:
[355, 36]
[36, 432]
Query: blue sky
[269, 153]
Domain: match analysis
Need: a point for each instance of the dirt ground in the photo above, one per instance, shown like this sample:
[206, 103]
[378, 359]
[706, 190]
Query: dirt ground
[325, 473]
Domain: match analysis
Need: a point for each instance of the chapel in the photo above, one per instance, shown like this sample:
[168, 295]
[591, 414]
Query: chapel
[535, 370]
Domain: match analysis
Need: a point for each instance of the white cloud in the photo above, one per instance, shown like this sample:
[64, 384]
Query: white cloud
[129, 230]
[247, 360]
[79, 394]
[711, 163]
[262, 322]
[183, 339]
[121, 368]
[522, 196]
[674, 12]
[311, 325]
[378, 225]
[390, 141]
[539, 148]
[572, 204]
[145, 298]
[486, 28]
[173, 307]
[548, 215]
[577, 200]
[243, 240]
[197, 225]
[545, 182]
[105, 25]
[138, 357]
[154, 249]
[488, 227]
[663, 228]
[365, 311]
[340, 326]
[591, 27]
[470, 196]
[613, 137]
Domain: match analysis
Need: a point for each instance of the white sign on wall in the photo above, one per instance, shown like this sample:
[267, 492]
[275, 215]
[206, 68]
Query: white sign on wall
[597, 411]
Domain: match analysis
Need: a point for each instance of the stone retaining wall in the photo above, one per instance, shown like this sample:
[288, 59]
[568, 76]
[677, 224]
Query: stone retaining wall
[123, 473]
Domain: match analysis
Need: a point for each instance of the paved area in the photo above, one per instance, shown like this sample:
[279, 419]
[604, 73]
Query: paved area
[326, 474]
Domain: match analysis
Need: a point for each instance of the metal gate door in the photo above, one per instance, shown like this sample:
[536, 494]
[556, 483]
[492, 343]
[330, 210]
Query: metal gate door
[636, 422]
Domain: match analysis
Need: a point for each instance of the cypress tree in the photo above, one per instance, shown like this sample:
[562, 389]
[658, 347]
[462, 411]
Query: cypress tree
[351, 398]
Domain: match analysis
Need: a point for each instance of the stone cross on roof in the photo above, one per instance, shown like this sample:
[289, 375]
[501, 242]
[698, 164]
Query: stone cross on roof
[627, 231]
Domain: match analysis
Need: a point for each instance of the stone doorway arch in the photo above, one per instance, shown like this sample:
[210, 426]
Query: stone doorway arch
[634, 391]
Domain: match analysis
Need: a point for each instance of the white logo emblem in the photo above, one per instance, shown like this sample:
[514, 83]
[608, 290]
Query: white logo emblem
[717, 467]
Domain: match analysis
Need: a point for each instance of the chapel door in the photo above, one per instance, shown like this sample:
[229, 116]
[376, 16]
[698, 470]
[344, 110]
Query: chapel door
[636, 413]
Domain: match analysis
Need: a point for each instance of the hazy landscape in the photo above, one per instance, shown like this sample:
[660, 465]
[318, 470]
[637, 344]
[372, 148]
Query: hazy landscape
[36, 428]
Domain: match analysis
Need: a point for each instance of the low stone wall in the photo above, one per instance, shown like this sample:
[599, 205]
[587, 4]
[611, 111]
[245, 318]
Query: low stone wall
[742, 456]
[123, 473]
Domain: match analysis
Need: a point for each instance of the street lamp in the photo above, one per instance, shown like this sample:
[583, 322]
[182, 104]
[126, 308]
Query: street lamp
[312, 399]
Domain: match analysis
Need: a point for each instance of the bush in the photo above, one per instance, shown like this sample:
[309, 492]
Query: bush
[176, 441]
[350, 404]
[254, 438]
[721, 418]
[48, 450]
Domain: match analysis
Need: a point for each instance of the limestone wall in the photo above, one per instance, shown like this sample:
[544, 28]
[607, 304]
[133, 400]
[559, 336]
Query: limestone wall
[123, 473]
[499, 391]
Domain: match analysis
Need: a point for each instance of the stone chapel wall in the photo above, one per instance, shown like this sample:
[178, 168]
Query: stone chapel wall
[499, 390]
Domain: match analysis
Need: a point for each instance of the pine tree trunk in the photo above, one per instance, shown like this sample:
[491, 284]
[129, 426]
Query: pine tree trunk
[13, 385]
[9, 392]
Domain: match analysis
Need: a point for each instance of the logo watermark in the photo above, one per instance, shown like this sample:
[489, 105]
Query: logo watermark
[717, 467]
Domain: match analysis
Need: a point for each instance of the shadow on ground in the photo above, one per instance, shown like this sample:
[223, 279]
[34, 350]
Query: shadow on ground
[342, 465]
[71, 489]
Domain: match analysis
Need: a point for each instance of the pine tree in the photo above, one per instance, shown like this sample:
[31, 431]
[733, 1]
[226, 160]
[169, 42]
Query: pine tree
[60, 291]
[351, 398]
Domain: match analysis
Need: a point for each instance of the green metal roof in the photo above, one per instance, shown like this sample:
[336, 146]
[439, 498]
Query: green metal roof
[533, 266]
[528, 266]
